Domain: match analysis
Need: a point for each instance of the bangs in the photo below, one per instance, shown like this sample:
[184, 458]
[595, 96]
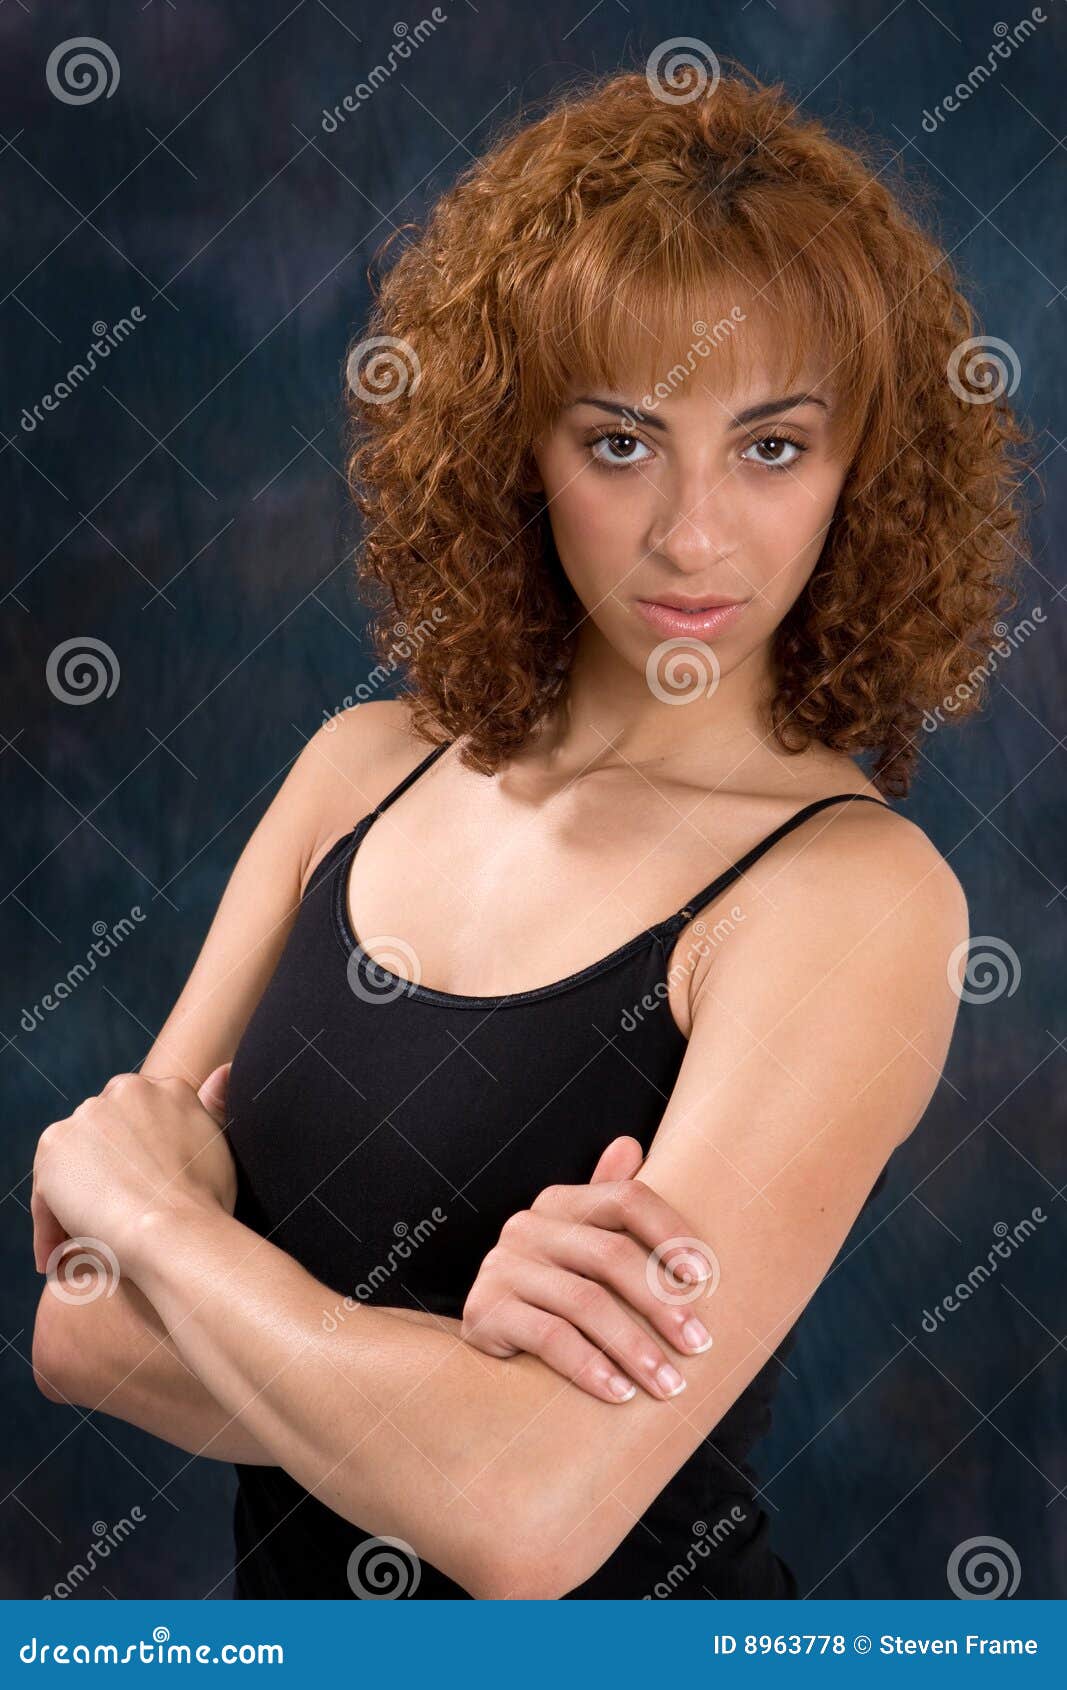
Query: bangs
[641, 299]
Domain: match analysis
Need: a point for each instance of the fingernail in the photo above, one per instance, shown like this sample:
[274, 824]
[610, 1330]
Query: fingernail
[622, 1388]
[696, 1336]
[670, 1380]
[690, 1270]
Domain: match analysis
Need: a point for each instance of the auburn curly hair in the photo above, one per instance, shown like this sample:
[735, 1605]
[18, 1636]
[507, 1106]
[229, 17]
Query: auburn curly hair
[623, 206]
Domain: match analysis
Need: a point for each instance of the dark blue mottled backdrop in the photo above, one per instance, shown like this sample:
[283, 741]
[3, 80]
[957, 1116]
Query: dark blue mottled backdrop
[185, 506]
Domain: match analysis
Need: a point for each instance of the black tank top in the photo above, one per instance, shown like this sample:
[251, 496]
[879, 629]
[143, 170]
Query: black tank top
[384, 1131]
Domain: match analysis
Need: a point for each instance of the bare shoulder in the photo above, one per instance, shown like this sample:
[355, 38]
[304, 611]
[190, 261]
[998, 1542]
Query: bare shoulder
[856, 891]
[839, 962]
[349, 766]
[342, 772]
[870, 855]
[859, 869]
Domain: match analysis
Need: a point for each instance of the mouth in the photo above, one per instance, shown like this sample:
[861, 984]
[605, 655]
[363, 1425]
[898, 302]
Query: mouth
[702, 619]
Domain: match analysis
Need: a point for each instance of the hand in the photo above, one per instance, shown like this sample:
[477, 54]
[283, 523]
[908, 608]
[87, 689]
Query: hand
[140, 1142]
[544, 1284]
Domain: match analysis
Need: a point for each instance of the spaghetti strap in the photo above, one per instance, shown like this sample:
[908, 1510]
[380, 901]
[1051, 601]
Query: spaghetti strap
[408, 780]
[722, 881]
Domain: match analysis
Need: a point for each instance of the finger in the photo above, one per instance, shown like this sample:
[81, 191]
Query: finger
[632, 1206]
[561, 1348]
[214, 1092]
[622, 1265]
[594, 1314]
[620, 1160]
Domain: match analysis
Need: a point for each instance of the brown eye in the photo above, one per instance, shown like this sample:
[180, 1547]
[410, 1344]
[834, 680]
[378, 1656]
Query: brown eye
[783, 453]
[616, 450]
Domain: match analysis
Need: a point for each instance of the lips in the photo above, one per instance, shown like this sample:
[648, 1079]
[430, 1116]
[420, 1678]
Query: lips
[698, 621]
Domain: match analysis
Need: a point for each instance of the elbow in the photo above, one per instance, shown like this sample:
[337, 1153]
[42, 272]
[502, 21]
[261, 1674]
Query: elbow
[534, 1558]
[49, 1356]
[514, 1576]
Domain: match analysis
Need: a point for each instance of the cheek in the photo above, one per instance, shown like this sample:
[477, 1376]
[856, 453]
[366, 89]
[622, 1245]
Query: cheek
[588, 523]
[791, 529]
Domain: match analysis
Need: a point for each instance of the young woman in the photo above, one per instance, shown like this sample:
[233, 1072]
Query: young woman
[680, 503]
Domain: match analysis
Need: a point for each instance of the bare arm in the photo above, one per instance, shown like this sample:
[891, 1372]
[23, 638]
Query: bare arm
[798, 1083]
[122, 1362]
[112, 1353]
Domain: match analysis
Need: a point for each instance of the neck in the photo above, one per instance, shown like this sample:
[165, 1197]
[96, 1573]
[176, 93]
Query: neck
[612, 714]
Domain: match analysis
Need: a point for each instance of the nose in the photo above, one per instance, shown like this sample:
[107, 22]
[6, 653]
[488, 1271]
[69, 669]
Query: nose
[697, 533]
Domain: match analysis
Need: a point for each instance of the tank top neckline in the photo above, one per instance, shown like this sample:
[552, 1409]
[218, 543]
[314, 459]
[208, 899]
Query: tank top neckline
[388, 985]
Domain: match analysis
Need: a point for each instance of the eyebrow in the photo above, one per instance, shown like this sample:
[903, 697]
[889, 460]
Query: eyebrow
[753, 413]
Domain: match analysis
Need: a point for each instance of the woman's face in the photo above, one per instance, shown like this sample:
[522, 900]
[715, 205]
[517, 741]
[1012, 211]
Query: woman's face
[704, 495]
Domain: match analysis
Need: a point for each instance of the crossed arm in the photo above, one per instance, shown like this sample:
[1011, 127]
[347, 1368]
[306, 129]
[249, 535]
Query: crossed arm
[798, 1082]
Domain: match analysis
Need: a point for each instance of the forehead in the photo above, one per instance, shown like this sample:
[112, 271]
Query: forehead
[728, 364]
